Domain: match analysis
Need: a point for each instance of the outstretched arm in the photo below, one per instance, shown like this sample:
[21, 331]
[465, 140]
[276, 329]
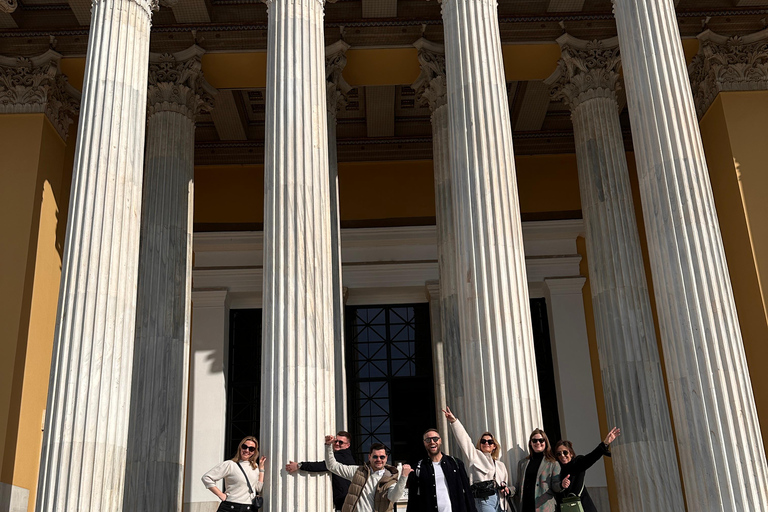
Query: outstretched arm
[473, 455]
[396, 492]
[333, 465]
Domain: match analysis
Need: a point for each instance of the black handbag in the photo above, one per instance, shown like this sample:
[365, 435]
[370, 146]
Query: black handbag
[258, 501]
[483, 489]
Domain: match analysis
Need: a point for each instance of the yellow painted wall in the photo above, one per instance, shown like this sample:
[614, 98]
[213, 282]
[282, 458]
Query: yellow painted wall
[229, 194]
[33, 174]
[733, 132]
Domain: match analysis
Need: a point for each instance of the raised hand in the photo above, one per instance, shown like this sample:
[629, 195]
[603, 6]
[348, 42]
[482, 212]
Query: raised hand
[262, 461]
[407, 469]
[292, 467]
[329, 440]
[566, 483]
[449, 415]
[612, 435]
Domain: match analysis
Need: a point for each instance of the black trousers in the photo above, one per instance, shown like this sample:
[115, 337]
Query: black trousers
[228, 506]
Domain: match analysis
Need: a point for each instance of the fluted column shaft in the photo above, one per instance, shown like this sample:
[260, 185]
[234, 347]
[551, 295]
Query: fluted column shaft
[336, 89]
[647, 477]
[718, 436]
[297, 396]
[432, 91]
[86, 426]
[499, 367]
[157, 429]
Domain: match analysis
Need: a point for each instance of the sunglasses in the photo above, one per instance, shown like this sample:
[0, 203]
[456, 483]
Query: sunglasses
[248, 448]
[339, 442]
[539, 440]
[378, 457]
[487, 441]
[562, 452]
[432, 439]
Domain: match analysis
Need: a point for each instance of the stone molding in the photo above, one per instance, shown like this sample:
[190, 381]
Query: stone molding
[586, 70]
[430, 86]
[337, 87]
[738, 63]
[8, 6]
[37, 85]
[177, 84]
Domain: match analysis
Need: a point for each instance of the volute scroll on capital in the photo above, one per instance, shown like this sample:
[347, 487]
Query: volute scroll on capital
[586, 70]
[431, 86]
[8, 6]
[723, 63]
[37, 85]
[337, 87]
[177, 84]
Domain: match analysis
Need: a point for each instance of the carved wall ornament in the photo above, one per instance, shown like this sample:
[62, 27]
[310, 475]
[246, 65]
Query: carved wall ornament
[36, 84]
[176, 84]
[728, 64]
[431, 86]
[337, 87]
[586, 70]
[8, 6]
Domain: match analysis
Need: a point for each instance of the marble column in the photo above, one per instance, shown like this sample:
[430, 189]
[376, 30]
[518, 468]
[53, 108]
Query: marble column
[431, 90]
[438, 361]
[86, 426]
[718, 437]
[298, 380]
[336, 91]
[499, 366]
[586, 80]
[158, 416]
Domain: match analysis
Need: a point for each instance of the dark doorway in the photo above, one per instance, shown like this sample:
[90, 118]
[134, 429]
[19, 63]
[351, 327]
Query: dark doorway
[243, 377]
[389, 378]
[545, 369]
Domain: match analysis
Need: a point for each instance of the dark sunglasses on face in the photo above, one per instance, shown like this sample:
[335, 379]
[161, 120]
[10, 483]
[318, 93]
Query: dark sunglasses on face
[338, 441]
[377, 457]
[432, 439]
[487, 441]
[562, 452]
[248, 448]
[539, 440]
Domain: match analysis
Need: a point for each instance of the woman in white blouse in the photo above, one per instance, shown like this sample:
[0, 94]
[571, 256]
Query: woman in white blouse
[245, 464]
[483, 466]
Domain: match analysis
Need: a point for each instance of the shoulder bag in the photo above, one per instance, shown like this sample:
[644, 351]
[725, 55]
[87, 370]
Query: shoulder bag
[572, 502]
[258, 501]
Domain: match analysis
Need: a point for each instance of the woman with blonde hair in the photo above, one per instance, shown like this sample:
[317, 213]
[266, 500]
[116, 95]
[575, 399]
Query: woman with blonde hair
[538, 476]
[243, 477]
[487, 474]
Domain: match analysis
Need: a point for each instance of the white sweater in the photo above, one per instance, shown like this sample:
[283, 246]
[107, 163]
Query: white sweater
[234, 481]
[480, 465]
[366, 501]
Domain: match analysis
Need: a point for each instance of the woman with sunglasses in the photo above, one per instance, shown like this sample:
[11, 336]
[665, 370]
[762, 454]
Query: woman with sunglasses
[574, 468]
[538, 476]
[246, 464]
[487, 474]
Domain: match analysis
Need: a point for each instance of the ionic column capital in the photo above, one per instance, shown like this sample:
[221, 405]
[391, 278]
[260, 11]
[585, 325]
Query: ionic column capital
[430, 86]
[176, 84]
[586, 70]
[337, 87]
[36, 84]
[738, 63]
[8, 6]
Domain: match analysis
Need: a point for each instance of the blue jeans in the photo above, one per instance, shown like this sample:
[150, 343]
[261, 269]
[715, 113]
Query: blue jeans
[489, 504]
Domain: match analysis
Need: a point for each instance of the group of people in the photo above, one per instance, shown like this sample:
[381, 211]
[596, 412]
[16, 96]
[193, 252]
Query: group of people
[546, 481]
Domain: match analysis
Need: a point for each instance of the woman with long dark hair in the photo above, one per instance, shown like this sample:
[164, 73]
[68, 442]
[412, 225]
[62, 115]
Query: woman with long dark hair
[538, 476]
[574, 468]
[243, 477]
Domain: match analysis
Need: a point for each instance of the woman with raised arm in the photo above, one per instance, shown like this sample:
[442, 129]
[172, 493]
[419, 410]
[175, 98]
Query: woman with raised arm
[243, 477]
[574, 468]
[487, 474]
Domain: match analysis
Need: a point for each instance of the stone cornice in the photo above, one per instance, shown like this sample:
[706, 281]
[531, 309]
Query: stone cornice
[176, 84]
[586, 70]
[336, 87]
[738, 63]
[431, 86]
[36, 84]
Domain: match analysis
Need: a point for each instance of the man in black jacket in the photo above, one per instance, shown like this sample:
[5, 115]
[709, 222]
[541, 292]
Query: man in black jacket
[439, 482]
[343, 454]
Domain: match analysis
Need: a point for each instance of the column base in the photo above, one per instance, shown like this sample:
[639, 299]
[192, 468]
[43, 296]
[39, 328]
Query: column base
[13, 499]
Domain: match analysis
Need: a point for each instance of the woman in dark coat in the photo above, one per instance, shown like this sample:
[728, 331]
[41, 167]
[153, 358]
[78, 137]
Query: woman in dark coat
[574, 468]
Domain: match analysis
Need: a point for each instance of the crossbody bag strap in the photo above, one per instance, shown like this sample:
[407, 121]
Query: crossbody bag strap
[250, 489]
